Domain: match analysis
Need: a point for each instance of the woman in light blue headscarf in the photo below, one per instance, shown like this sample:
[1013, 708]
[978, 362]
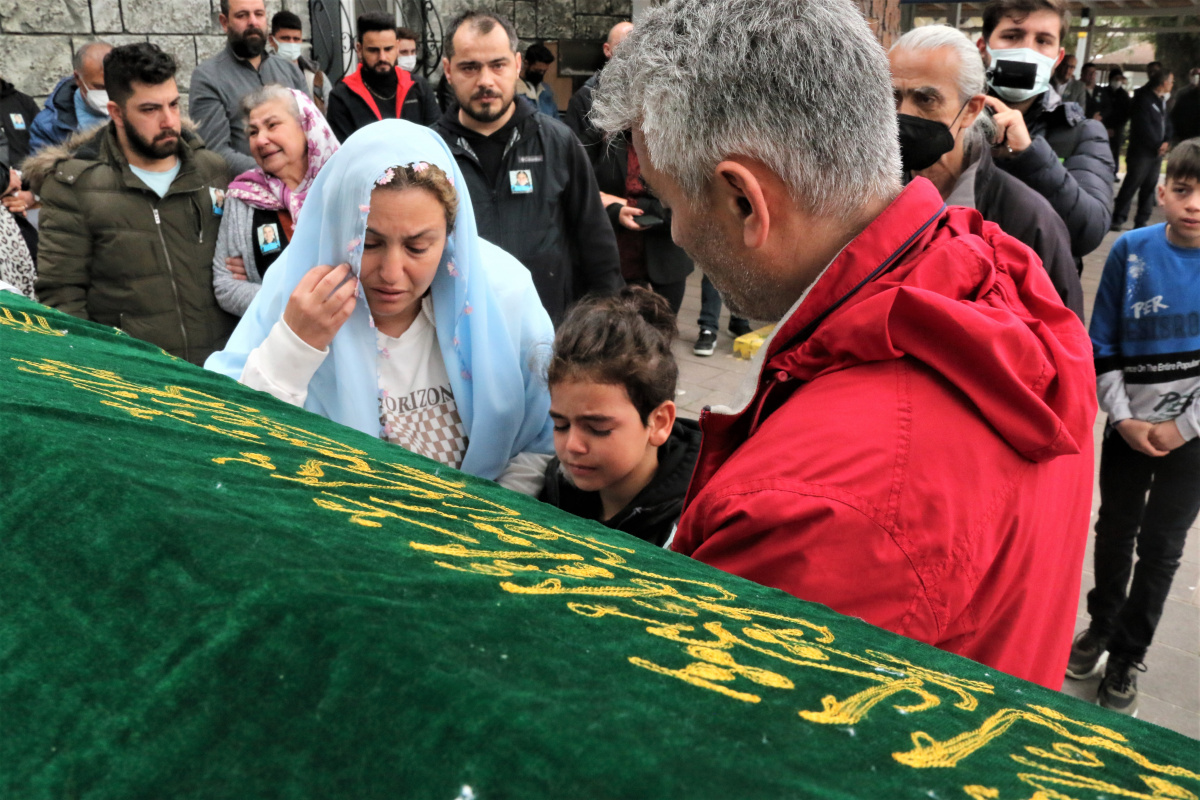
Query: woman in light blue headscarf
[423, 333]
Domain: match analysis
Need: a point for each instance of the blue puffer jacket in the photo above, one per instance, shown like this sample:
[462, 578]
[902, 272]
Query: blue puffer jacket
[57, 120]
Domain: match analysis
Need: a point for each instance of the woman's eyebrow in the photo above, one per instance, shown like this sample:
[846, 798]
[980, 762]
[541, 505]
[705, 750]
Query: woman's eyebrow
[425, 232]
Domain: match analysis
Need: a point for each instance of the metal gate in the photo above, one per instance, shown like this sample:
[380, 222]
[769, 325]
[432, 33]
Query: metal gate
[332, 37]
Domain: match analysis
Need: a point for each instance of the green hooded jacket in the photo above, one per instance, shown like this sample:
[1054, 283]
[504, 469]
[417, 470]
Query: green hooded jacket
[112, 251]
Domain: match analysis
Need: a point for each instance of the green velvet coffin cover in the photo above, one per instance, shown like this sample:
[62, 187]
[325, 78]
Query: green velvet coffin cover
[207, 593]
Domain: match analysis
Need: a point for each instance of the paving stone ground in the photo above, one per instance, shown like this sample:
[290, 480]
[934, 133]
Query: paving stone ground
[1170, 689]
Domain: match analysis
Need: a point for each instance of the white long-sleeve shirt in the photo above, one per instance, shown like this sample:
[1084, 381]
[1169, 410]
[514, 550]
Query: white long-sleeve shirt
[417, 409]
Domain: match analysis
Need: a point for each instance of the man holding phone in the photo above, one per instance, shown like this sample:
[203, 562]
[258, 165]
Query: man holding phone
[641, 223]
[1035, 128]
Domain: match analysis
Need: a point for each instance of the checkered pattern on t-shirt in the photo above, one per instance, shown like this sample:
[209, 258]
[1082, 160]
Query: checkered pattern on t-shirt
[434, 431]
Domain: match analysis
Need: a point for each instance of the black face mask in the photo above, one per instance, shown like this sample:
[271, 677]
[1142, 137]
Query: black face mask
[534, 78]
[922, 142]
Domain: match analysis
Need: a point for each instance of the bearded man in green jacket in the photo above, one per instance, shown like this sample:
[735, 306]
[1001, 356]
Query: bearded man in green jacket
[131, 212]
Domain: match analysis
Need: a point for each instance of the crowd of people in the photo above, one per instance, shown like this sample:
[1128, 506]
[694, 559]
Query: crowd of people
[463, 274]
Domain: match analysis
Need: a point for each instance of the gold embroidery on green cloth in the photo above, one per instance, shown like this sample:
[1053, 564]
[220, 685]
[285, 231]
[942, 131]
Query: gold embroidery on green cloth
[718, 638]
[29, 323]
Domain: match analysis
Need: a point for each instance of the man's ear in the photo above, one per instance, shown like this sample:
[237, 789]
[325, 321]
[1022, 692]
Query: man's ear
[972, 111]
[981, 43]
[737, 190]
[224, 20]
[660, 423]
[446, 69]
[358, 50]
[115, 113]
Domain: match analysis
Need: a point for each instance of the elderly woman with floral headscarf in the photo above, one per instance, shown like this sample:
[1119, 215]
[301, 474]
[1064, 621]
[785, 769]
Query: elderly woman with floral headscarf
[290, 141]
[389, 314]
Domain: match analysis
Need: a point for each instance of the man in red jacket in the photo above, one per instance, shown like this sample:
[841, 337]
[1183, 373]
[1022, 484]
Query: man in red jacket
[917, 447]
[379, 88]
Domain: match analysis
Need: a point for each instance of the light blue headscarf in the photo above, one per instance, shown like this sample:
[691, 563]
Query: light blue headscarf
[492, 330]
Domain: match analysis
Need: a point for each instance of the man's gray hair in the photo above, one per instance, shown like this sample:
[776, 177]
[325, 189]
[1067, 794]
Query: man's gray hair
[972, 78]
[800, 85]
[83, 53]
[267, 93]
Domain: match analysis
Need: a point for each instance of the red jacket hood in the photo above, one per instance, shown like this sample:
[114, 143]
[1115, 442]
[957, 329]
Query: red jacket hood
[956, 293]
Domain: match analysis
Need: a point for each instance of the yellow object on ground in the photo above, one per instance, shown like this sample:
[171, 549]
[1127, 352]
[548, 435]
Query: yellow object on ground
[747, 345]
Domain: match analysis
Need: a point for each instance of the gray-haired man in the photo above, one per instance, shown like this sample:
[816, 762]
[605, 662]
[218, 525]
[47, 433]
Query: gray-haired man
[906, 456]
[945, 136]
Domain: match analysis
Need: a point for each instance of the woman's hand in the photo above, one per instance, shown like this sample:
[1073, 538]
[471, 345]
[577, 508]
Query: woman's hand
[15, 203]
[237, 268]
[321, 304]
[627, 215]
[607, 199]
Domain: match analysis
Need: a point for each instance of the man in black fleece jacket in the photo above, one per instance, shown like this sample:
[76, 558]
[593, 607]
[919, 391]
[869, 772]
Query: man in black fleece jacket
[531, 184]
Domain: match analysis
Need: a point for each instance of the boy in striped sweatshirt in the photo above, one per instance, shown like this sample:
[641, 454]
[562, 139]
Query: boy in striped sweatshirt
[1145, 334]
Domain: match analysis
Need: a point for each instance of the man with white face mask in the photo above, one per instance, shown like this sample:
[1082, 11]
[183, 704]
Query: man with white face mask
[79, 101]
[1046, 143]
[287, 40]
[938, 82]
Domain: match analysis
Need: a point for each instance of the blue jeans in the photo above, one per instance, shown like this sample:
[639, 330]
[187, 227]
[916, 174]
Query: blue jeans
[710, 306]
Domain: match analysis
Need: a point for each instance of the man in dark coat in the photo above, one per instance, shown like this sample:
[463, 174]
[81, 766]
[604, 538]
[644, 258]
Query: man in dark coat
[17, 111]
[1149, 140]
[642, 225]
[580, 104]
[1115, 113]
[1046, 143]
[930, 67]
[379, 89]
[531, 184]
[1185, 110]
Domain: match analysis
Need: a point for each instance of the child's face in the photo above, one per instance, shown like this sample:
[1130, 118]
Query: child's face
[1180, 198]
[598, 435]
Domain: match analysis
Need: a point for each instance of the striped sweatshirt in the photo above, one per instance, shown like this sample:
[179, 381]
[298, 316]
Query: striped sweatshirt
[1145, 331]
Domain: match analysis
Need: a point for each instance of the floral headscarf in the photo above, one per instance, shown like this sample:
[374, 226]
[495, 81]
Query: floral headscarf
[258, 189]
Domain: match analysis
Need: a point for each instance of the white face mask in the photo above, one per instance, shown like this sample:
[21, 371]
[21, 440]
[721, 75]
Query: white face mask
[288, 50]
[97, 100]
[408, 63]
[1024, 55]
